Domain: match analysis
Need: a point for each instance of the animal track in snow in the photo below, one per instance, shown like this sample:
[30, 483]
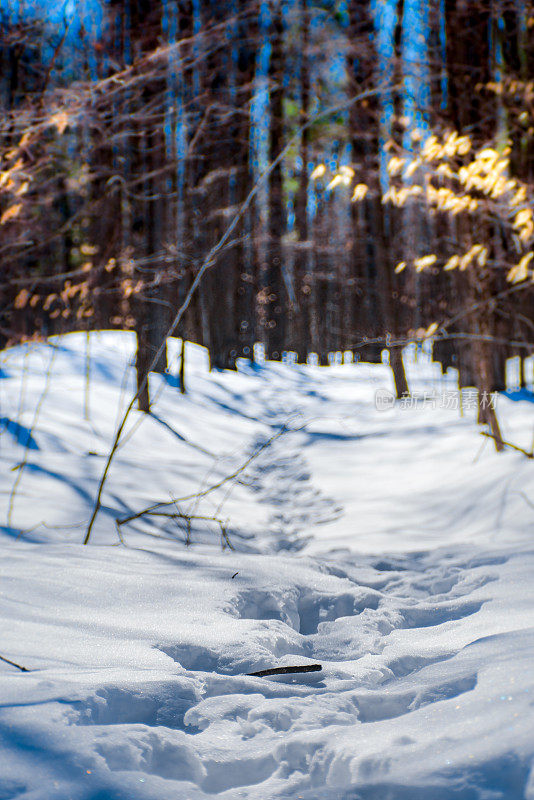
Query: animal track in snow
[262, 605]
[193, 657]
[401, 666]
[165, 754]
[304, 610]
[314, 610]
[380, 704]
[160, 704]
[167, 728]
[282, 480]
[170, 728]
[429, 616]
[242, 771]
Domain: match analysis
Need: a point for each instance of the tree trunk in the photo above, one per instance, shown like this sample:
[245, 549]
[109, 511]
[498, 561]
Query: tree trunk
[399, 374]
[142, 364]
[275, 290]
[302, 277]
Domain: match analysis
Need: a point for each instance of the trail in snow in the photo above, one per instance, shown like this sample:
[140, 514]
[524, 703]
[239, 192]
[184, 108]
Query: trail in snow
[384, 546]
[281, 479]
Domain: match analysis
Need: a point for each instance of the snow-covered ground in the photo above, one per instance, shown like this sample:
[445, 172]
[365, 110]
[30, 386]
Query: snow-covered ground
[392, 547]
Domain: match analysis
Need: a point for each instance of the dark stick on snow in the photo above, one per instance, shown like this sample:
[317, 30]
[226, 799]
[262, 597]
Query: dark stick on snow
[22, 669]
[284, 670]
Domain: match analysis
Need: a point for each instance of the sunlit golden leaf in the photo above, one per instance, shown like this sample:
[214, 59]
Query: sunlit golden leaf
[424, 261]
[452, 263]
[25, 139]
[88, 249]
[488, 154]
[482, 256]
[318, 172]
[527, 231]
[413, 167]
[360, 190]
[446, 171]
[21, 299]
[338, 180]
[520, 271]
[519, 197]
[395, 165]
[23, 188]
[523, 217]
[431, 149]
[60, 121]
[463, 145]
[10, 213]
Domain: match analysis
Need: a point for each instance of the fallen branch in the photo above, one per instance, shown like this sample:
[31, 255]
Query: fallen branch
[263, 673]
[14, 664]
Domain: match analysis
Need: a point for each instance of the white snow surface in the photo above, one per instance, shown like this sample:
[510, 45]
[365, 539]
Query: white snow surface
[392, 547]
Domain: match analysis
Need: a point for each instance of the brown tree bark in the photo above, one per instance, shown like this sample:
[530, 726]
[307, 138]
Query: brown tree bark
[275, 289]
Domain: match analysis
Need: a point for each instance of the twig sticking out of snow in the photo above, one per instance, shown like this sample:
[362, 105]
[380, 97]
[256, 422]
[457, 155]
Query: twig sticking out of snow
[284, 670]
[204, 492]
[176, 515]
[13, 664]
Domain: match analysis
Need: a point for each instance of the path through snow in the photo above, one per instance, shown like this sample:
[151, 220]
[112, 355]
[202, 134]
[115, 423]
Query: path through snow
[374, 544]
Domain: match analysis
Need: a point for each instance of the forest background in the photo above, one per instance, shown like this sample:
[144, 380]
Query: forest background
[319, 177]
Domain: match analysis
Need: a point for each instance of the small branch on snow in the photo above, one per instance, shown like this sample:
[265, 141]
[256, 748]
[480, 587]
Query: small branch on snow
[284, 670]
[13, 664]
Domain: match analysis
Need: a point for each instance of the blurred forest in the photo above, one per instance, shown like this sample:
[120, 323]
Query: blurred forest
[346, 177]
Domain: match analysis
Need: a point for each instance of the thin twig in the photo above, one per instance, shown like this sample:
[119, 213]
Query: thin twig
[188, 518]
[14, 664]
[198, 495]
[525, 498]
[55, 54]
[509, 444]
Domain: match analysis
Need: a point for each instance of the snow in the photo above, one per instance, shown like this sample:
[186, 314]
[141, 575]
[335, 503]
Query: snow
[392, 547]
